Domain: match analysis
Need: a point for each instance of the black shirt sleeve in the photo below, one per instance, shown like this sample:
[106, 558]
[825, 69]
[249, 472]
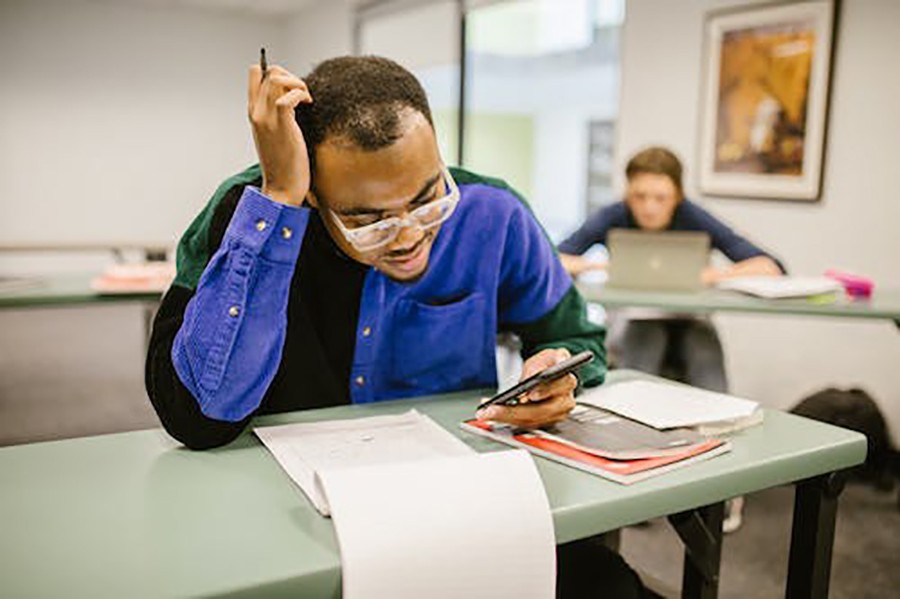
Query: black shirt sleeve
[176, 407]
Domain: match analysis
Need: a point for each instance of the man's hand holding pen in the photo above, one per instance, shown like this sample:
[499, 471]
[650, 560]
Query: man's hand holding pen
[274, 93]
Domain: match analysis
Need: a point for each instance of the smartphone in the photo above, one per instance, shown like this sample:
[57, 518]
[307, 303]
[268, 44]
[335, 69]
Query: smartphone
[510, 397]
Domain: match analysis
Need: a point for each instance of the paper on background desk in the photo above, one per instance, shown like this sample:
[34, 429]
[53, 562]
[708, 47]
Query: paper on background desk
[781, 287]
[418, 513]
[663, 405]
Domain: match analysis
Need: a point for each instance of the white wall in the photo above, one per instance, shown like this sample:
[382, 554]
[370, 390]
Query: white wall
[321, 31]
[418, 37]
[118, 121]
[779, 359]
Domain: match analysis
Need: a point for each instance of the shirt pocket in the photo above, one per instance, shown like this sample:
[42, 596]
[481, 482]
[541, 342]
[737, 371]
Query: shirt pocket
[442, 347]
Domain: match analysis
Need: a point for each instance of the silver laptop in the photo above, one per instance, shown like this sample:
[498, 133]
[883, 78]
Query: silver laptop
[659, 261]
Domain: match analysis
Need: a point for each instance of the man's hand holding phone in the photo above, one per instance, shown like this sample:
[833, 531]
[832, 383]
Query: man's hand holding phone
[549, 401]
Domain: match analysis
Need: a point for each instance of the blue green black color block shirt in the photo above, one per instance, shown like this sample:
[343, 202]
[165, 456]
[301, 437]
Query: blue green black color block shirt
[267, 315]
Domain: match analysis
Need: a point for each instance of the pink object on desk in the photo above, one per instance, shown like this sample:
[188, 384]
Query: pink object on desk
[854, 285]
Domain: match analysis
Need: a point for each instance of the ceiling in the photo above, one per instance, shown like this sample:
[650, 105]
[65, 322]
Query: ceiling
[255, 7]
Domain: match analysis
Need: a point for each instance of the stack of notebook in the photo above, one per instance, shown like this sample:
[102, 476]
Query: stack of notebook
[635, 430]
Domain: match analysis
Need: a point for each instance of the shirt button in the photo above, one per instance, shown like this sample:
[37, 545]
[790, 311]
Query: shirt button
[260, 225]
[360, 380]
[367, 331]
[287, 233]
[234, 311]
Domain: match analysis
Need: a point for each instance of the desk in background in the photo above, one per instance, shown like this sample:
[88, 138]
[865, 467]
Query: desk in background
[884, 303]
[69, 290]
[65, 290]
[72, 290]
[134, 515]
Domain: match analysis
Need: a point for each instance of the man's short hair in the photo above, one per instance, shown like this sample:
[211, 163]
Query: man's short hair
[656, 160]
[361, 99]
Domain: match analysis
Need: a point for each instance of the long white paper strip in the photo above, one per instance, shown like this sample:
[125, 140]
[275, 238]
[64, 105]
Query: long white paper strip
[472, 526]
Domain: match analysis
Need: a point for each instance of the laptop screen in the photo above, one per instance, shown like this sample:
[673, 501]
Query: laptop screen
[662, 261]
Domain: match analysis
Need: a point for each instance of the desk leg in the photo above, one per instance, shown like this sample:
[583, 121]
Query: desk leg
[701, 532]
[812, 535]
[612, 539]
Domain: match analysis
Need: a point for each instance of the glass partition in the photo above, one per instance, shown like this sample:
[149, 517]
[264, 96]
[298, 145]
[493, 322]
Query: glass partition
[539, 93]
[425, 38]
[542, 89]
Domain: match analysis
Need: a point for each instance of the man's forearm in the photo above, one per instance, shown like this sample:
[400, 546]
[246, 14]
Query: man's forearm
[176, 407]
[229, 345]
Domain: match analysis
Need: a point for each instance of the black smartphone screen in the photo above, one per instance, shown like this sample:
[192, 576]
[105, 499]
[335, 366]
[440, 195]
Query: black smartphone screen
[510, 397]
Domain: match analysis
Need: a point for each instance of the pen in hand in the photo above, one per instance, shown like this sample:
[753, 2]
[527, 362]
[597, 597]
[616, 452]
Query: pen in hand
[263, 65]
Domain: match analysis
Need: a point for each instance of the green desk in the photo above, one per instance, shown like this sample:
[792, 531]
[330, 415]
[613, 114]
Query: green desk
[66, 290]
[884, 303]
[133, 515]
[73, 290]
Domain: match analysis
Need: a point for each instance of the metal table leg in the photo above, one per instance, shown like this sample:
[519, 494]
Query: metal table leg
[812, 535]
[701, 532]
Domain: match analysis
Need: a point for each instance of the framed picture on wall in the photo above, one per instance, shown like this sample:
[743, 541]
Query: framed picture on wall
[764, 100]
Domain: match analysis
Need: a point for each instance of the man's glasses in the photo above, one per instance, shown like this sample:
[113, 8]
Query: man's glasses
[379, 234]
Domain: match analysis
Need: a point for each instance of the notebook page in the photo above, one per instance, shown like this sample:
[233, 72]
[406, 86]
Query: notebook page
[304, 449]
[781, 287]
[662, 405]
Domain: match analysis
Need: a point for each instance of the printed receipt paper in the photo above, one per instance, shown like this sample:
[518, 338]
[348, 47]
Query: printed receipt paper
[418, 513]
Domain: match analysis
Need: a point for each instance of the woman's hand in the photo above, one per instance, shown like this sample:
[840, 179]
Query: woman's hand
[576, 265]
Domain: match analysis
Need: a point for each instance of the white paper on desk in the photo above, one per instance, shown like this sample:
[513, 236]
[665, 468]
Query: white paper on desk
[781, 287]
[473, 527]
[305, 449]
[663, 405]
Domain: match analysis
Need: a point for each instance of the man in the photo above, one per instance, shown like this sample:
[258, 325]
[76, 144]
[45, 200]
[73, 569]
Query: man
[656, 342]
[351, 266]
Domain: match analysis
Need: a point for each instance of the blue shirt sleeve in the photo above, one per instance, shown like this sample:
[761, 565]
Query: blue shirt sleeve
[229, 346]
[595, 229]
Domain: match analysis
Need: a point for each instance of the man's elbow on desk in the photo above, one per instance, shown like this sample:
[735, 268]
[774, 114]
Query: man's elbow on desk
[180, 415]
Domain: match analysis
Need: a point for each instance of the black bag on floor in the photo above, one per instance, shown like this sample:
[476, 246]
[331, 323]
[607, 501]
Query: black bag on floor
[856, 410]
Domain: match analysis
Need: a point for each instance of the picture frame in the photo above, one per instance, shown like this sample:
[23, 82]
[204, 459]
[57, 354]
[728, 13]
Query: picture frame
[764, 100]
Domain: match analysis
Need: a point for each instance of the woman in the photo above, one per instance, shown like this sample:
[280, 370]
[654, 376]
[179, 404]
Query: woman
[654, 201]
[652, 341]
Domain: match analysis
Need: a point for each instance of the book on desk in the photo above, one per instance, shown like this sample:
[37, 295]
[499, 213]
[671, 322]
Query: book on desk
[558, 445]
[634, 430]
[669, 405]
